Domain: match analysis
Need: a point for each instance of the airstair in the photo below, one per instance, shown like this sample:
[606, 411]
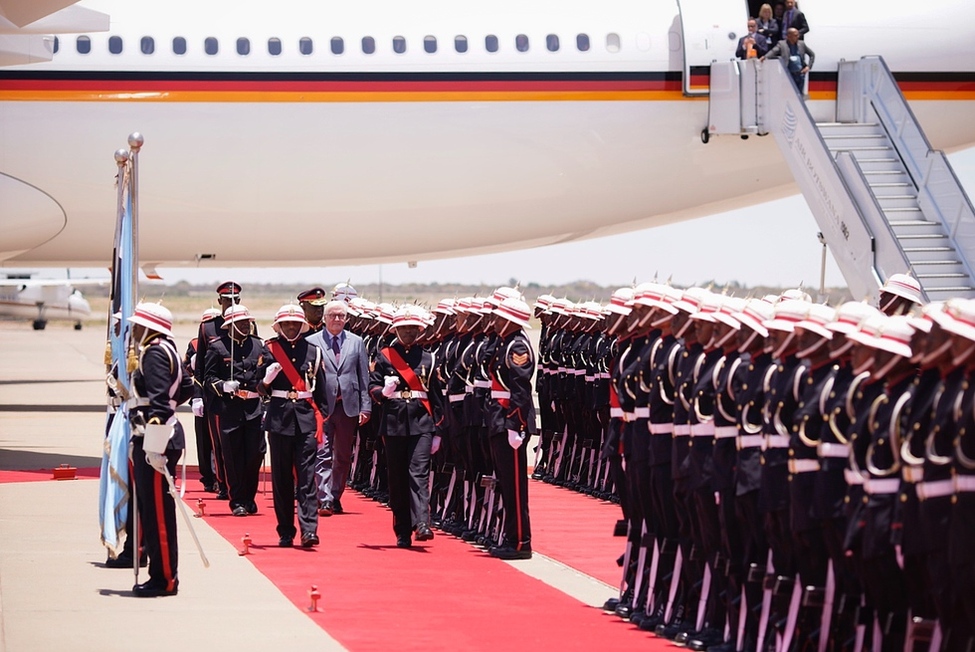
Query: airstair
[885, 202]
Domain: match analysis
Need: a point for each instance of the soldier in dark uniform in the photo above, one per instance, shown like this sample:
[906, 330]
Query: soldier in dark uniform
[900, 294]
[312, 302]
[228, 294]
[294, 380]
[231, 374]
[204, 445]
[782, 398]
[404, 383]
[511, 421]
[157, 384]
[749, 383]
[961, 529]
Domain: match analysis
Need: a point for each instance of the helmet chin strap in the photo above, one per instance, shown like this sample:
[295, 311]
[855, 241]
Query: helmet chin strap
[727, 336]
[959, 359]
[809, 350]
[847, 345]
[937, 353]
[887, 366]
[785, 345]
[747, 343]
[683, 329]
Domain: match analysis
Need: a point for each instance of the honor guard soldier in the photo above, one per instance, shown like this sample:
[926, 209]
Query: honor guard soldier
[157, 443]
[900, 294]
[204, 445]
[312, 303]
[231, 374]
[511, 421]
[293, 379]
[404, 383]
[228, 294]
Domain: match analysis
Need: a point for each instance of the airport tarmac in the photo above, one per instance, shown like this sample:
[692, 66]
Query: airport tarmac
[54, 591]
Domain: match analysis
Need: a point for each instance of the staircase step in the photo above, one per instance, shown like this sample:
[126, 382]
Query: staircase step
[955, 275]
[936, 262]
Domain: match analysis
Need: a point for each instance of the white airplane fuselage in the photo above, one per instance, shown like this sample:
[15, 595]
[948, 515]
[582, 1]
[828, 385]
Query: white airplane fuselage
[344, 158]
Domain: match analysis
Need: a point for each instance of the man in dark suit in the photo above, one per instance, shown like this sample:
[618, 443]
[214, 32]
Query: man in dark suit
[799, 57]
[752, 44]
[349, 406]
[792, 17]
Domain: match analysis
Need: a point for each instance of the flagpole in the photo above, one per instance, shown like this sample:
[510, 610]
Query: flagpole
[135, 145]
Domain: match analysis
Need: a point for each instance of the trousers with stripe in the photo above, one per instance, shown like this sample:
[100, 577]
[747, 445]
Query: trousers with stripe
[511, 468]
[157, 515]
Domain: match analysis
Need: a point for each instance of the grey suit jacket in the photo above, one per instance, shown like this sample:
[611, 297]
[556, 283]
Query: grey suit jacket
[350, 375]
[781, 51]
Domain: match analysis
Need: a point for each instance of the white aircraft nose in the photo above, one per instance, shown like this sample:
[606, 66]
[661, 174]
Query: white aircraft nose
[78, 306]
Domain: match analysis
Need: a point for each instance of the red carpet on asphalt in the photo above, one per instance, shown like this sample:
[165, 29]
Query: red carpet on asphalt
[443, 594]
[37, 475]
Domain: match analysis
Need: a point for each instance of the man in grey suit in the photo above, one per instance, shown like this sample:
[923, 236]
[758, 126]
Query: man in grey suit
[799, 57]
[346, 367]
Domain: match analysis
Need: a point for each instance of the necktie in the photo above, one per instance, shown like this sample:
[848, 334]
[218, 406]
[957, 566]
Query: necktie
[336, 347]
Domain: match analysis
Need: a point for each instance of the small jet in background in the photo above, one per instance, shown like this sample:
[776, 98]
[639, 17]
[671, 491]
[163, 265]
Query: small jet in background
[45, 299]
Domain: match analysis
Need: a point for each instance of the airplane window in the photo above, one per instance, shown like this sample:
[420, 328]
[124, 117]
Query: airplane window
[582, 42]
[147, 45]
[243, 46]
[305, 45]
[399, 44]
[430, 44]
[338, 45]
[613, 42]
[491, 43]
[210, 45]
[368, 45]
[115, 44]
[460, 43]
[83, 44]
[57, 45]
[274, 46]
[521, 42]
[552, 42]
[179, 45]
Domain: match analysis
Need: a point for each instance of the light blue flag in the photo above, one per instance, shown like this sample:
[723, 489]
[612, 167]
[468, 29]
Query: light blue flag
[113, 490]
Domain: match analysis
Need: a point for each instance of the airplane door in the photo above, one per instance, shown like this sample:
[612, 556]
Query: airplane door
[711, 29]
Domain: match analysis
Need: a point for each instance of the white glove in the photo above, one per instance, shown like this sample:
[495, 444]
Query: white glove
[230, 386]
[193, 362]
[271, 373]
[157, 461]
[389, 388]
[516, 439]
[435, 446]
[197, 406]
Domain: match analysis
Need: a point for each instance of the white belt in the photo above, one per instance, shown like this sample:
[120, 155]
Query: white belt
[827, 449]
[702, 430]
[137, 401]
[641, 412]
[750, 441]
[616, 413]
[293, 394]
[483, 384]
[577, 372]
[456, 398]
[935, 489]
[964, 483]
[913, 474]
[886, 486]
[852, 477]
[661, 428]
[803, 466]
[469, 389]
[603, 375]
[725, 432]
[408, 394]
[589, 379]
[498, 393]
[629, 416]
[246, 394]
[683, 430]
[775, 441]
[562, 370]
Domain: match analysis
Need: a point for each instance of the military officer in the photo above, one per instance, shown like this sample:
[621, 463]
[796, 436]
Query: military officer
[157, 444]
[312, 302]
[404, 383]
[231, 374]
[293, 379]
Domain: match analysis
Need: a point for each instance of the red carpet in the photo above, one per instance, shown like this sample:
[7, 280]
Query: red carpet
[442, 594]
[576, 530]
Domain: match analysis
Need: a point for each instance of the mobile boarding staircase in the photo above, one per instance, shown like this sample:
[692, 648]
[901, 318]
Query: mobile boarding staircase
[885, 202]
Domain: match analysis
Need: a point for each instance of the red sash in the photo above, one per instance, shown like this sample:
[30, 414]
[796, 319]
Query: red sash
[297, 382]
[406, 373]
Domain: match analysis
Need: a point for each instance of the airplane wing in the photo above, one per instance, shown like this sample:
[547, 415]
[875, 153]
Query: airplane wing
[51, 282]
[26, 27]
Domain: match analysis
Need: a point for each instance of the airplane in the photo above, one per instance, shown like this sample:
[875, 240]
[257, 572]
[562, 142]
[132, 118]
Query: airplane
[301, 133]
[45, 299]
